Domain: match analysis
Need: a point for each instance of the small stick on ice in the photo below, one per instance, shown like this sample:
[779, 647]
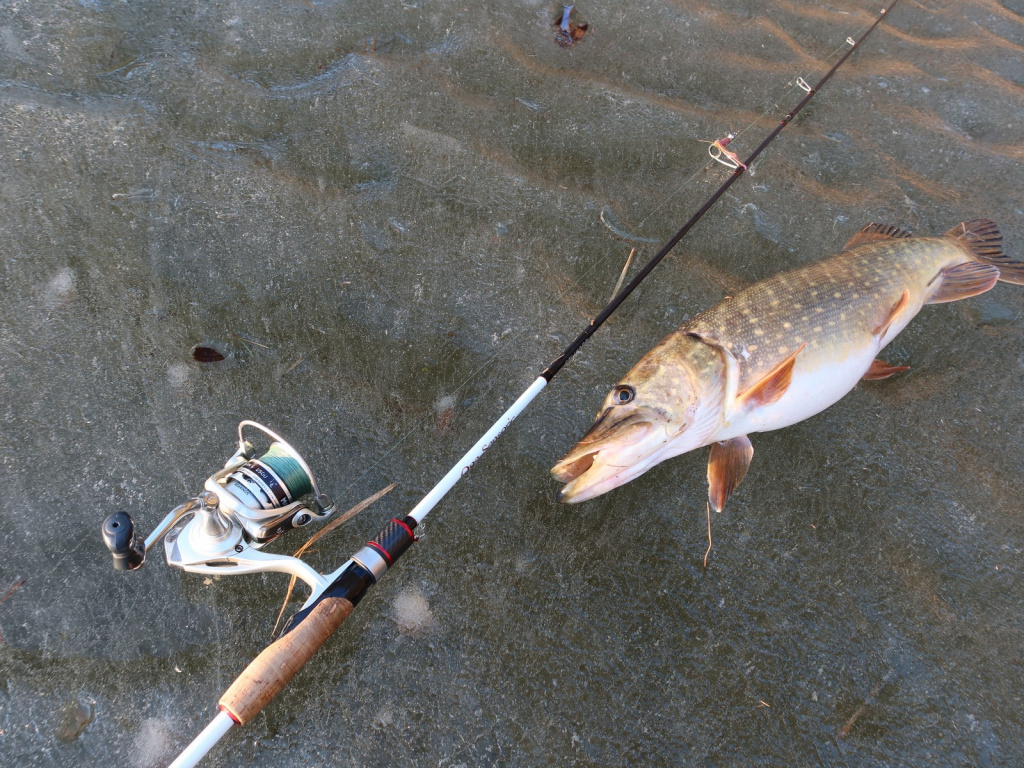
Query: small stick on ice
[845, 730]
[10, 591]
[629, 260]
[246, 338]
[709, 536]
[344, 518]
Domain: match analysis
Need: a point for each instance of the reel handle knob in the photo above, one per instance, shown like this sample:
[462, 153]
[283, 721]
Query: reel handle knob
[128, 550]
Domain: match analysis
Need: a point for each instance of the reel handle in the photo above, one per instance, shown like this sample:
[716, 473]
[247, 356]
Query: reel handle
[127, 549]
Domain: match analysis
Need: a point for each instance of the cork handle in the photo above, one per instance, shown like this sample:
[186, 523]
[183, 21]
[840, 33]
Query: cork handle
[271, 671]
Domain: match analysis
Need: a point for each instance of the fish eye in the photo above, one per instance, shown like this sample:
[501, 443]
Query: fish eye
[623, 395]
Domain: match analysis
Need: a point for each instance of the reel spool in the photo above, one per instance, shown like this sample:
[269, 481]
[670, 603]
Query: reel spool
[244, 506]
[266, 494]
[273, 479]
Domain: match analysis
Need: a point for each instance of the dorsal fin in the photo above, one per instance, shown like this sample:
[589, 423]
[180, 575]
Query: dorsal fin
[874, 232]
[981, 237]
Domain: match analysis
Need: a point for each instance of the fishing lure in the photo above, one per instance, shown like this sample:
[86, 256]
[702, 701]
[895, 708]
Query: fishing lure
[719, 153]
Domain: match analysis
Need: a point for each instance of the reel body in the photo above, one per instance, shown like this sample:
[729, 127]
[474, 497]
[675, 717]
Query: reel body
[243, 507]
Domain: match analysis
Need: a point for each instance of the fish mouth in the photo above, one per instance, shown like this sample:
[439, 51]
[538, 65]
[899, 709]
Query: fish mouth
[572, 466]
[608, 456]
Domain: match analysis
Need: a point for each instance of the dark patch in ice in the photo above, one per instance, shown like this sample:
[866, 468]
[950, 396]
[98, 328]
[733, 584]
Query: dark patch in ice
[207, 353]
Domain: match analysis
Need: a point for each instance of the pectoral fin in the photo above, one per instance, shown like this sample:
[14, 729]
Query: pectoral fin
[727, 465]
[772, 385]
[895, 312]
[882, 370]
[963, 281]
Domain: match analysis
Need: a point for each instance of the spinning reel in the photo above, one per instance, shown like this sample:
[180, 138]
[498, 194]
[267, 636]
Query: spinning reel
[243, 507]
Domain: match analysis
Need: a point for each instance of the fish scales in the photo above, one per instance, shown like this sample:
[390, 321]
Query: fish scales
[776, 353]
[833, 305]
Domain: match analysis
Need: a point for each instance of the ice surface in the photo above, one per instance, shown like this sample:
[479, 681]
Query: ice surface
[388, 216]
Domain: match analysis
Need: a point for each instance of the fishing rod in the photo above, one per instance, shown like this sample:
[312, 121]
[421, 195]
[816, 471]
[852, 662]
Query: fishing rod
[254, 499]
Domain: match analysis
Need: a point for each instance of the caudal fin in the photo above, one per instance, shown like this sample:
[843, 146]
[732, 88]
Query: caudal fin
[982, 238]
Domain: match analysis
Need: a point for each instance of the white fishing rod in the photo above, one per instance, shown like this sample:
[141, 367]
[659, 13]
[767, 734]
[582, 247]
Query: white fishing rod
[254, 499]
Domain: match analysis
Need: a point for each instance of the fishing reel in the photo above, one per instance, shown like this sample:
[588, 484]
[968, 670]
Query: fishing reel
[243, 507]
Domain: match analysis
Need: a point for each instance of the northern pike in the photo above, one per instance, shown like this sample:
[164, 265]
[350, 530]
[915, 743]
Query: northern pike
[776, 353]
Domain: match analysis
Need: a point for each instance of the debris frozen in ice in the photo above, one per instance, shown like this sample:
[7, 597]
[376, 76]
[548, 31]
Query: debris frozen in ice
[206, 353]
[152, 743]
[177, 375]
[411, 612]
[75, 717]
[60, 287]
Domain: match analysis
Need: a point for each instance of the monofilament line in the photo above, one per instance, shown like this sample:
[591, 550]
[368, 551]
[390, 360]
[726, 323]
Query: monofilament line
[464, 464]
[552, 370]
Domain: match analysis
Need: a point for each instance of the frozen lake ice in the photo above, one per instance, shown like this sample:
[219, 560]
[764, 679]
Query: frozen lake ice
[389, 218]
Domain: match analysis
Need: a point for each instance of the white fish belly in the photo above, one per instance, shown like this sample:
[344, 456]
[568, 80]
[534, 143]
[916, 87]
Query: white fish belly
[812, 390]
[816, 383]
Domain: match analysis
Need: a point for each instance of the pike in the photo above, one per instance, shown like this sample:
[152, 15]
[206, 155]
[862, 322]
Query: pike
[777, 353]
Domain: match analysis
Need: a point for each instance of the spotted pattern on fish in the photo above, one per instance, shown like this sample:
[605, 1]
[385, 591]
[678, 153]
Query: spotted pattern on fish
[832, 305]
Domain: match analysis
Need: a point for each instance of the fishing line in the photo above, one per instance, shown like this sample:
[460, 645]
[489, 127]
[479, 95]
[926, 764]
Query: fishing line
[466, 382]
[791, 86]
[503, 346]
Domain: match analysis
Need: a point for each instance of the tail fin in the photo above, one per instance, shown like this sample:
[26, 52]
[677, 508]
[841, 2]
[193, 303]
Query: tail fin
[984, 241]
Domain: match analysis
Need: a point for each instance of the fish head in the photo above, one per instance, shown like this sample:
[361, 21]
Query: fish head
[663, 407]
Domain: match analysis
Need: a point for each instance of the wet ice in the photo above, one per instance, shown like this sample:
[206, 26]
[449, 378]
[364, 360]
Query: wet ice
[419, 222]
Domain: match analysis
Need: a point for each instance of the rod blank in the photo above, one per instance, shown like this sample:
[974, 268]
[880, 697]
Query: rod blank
[204, 742]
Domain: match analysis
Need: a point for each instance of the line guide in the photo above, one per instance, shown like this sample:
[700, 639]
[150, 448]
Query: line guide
[333, 602]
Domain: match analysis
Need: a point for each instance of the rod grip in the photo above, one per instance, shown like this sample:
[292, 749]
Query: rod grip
[278, 663]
